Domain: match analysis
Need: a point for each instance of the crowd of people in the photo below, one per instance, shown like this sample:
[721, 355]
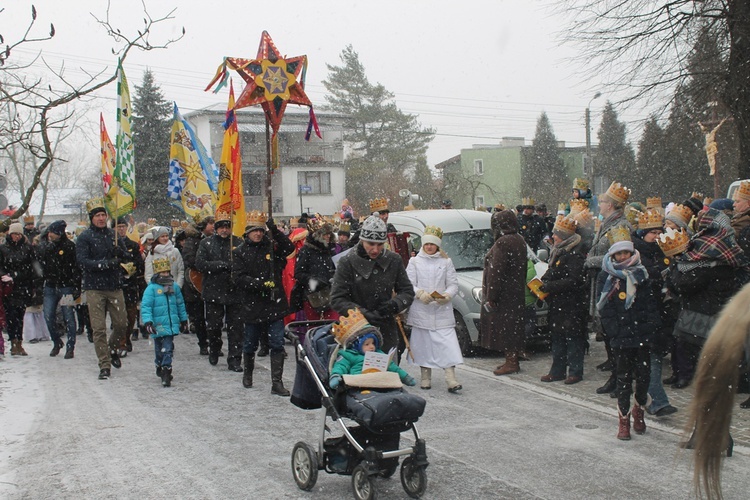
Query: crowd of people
[647, 279]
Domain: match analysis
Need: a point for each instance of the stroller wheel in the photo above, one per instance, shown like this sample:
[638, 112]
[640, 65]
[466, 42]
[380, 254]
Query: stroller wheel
[304, 466]
[413, 478]
[362, 484]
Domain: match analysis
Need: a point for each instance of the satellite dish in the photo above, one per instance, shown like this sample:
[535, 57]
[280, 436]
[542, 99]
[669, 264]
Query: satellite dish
[404, 193]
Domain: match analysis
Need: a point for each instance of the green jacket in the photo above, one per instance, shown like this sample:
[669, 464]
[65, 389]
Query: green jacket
[350, 362]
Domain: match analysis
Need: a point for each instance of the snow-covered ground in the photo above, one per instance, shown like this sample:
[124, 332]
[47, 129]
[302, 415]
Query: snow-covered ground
[66, 434]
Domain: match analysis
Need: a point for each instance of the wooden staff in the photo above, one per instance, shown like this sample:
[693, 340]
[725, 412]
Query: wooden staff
[403, 335]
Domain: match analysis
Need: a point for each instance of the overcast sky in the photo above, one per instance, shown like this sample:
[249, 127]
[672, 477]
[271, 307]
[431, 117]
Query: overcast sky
[473, 70]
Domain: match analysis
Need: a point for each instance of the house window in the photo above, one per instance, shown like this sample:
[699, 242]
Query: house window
[479, 167]
[319, 182]
[479, 200]
[253, 183]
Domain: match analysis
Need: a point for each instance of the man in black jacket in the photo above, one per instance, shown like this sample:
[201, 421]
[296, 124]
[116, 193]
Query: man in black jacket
[258, 265]
[132, 283]
[203, 228]
[62, 285]
[214, 261]
[99, 259]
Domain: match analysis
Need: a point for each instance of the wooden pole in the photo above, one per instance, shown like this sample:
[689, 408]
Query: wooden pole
[268, 169]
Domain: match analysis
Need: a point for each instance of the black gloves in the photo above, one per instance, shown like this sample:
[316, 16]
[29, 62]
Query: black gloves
[150, 328]
[183, 326]
[389, 308]
[271, 225]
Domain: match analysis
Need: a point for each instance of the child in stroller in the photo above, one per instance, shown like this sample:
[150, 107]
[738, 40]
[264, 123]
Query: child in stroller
[375, 401]
[350, 361]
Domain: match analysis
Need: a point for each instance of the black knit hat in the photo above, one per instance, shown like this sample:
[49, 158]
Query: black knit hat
[694, 204]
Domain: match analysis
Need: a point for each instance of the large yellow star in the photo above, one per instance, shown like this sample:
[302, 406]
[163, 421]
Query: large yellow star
[192, 172]
[275, 79]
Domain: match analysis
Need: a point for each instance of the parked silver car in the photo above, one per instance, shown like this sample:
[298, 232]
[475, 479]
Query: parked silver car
[467, 238]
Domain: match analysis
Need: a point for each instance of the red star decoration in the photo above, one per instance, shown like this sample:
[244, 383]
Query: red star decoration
[271, 80]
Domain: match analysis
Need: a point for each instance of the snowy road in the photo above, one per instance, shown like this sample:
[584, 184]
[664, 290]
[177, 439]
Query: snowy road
[66, 434]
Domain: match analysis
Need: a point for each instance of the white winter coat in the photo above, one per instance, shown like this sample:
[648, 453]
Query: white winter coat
[175, 259]
[432, 273]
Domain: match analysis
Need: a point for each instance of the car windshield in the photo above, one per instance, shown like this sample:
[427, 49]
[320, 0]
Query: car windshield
[468, 248]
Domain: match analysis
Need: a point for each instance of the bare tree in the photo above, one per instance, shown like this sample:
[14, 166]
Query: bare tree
[644, 47]
[32, 110]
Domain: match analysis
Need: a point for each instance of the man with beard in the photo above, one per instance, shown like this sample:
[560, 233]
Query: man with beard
[99, 257]
[258, 266]
[214, 260]
[62, 279]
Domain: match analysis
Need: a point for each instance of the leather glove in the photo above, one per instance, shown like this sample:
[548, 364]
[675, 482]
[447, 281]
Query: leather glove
[424, 297]
[389, 308]
[272, 225]
[410, 381]
[76, 293]
[445, 299]
[183, 326]
[150, 328]
[334, 381]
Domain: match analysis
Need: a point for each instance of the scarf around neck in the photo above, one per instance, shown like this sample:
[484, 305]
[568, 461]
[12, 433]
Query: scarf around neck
[565, 245]
[714, 244]
[167, 282]
[630, 271]
[164, 249]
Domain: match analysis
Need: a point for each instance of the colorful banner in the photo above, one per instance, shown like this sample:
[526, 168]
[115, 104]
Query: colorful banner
[108, 166]
[124, 174]
[231, 196]
[188, 188]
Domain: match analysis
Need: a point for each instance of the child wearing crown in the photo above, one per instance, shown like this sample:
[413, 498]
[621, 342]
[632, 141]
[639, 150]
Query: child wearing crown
[630, 316]
[358, 337]
[164, 316]
[433, 336]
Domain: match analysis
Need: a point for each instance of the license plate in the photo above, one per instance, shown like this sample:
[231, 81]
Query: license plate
[541, 321]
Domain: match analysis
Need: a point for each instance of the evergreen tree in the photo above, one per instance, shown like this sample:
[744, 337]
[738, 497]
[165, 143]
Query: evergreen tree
[614, 159]
[151, 128]
[543, 175]
[652, 162]
[387, 143]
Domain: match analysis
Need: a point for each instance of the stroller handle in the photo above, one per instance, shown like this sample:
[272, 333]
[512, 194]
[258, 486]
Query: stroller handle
[291, 328]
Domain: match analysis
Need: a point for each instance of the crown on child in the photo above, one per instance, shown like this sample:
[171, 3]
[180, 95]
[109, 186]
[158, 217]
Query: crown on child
[162, 264]
[673, 242]
[580, 184]
[345, 329]
[650, 219]
[378, 205]
[619, 233]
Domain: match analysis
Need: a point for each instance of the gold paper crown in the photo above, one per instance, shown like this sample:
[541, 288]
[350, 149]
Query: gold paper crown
[654, 202]
[580, 184]
[561, 207]
[151, 221]
[584, 218]
[174, 223]
[129, 268]
[255, 218]
[346, 328]
[161, 264]
[480, 208]
[319, 223]
[183, 224]
[527, 202]
[707, 201]
[743, 191]
[345, 227]
[206, 212]
[618, 192]
[650, 219]
[631, 214]
[578, 205]
[28, 219]
[94, 203]
[619, 233]
[697, 195]
[682, 212]
[499, 207]
[378, 205]
[673, 242]
[434, 231]
[223, 215]
[565, 224]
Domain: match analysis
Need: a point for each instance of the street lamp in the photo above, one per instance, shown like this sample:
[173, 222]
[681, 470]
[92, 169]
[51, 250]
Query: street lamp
[588, 142]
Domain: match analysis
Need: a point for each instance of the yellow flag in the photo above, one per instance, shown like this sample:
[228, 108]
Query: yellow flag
[231, 196]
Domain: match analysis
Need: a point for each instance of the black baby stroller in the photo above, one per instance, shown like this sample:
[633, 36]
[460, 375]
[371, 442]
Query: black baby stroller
[366, 450]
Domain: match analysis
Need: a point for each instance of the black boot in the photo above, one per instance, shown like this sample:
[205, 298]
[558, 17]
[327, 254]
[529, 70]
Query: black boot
[247, 375]
[134, 335]
[59, 344]
[277, 370]
[609, 385]
[166, 376]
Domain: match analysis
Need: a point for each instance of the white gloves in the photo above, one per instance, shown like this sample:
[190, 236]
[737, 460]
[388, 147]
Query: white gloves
[424, 296]
[445, 299]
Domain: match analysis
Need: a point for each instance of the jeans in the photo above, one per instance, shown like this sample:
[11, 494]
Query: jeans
[655, 387]
[567, 355]
[52, 296]
[163, 350]
[274, 330]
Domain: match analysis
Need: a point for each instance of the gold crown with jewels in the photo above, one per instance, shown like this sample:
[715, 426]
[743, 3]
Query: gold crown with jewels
[653, 202]
[578, 205]
[527, 202]
[650, 219]
[255, 218]
[434, 231]
[682, 212]
[151, 221]
[94, 203]
[160, 265]
[743, 191]
[673, 242]
[618, 192]
[566, 224]
[223, 215]
[347, 327]
[378, 205]
[619, 233]
[580, 184]
[28, 219]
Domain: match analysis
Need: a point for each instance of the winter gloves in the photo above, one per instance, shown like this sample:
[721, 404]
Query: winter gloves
[426, 298]
[150, 328]
[183, 326]
[389, 308]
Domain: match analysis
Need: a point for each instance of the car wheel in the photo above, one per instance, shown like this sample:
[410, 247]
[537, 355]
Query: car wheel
[462, 333]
